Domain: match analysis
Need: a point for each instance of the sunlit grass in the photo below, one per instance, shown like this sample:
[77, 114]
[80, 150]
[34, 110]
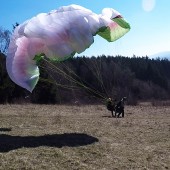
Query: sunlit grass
[84, 137]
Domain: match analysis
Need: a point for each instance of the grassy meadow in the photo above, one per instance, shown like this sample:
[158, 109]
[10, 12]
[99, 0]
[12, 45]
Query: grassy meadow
[60, 137]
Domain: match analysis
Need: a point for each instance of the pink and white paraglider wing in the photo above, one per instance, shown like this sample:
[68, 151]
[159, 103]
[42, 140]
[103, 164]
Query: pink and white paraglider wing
[58, 35]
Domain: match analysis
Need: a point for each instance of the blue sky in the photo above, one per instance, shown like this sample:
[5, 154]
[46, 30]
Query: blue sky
[149, 20]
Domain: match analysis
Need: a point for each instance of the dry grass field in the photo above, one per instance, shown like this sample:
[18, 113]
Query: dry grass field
[55, 137]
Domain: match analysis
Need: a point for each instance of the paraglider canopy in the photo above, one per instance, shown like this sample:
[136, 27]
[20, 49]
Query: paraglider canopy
[58, 35]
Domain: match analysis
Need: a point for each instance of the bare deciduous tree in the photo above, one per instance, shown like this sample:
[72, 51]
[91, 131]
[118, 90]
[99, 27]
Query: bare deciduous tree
[4, 40]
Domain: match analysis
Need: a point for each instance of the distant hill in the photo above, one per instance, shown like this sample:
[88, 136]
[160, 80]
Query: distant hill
[162, 55]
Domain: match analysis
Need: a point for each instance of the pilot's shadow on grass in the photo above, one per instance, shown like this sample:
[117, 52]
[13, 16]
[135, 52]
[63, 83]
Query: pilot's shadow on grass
[5, 129]
[8, 142]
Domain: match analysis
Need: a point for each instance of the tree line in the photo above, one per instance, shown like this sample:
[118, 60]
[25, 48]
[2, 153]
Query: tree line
[88, 79]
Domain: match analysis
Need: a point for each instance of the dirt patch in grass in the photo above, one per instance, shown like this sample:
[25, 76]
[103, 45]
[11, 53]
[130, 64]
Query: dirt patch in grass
[84, 137]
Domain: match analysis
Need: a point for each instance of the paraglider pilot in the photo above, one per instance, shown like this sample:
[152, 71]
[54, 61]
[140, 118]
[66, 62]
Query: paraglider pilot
[110, 106]
[113, 106]
[119, 107]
